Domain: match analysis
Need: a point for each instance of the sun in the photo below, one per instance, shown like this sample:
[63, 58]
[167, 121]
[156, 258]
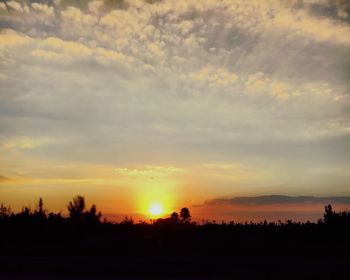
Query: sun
[156, 209]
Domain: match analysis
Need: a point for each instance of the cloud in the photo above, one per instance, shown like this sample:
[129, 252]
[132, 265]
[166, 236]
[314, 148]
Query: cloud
[256, 83]
[125, 22]
[94, 6]
[10, 38]
[73, 15]
[259, 84]
[180, 83]
[319, 29]
[73, 48]
[45, 9]
[280, 90]
[61, 51]
[17, 6]
[185, 26]
[148, 171]
[215, 76]
[25, 142]
[280, 199]
[106, 56]
[3, 178]
[49, 55]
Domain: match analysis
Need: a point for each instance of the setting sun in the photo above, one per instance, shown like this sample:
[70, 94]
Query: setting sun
[156, 209]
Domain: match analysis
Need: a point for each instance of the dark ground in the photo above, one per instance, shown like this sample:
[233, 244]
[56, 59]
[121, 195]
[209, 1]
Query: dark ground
[181, 252]
[160, 268]
[40, 245]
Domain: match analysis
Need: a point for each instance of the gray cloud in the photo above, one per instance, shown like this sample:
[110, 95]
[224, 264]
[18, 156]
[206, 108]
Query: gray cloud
[337, 9]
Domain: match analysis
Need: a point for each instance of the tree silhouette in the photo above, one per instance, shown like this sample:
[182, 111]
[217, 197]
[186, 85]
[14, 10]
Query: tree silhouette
[76, 207]
[329, 215]
[77, 211]
[40, 212]
[92, 215]
[40, 206]
[5, 211]
[185, 215]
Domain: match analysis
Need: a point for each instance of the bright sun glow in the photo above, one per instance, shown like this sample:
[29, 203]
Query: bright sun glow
[156, 209]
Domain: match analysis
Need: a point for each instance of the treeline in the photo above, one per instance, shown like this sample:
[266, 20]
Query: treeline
[79, 213]
[81, 241]
[84, 232]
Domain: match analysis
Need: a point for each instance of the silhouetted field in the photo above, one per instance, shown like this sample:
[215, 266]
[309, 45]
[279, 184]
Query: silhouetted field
[41, 245]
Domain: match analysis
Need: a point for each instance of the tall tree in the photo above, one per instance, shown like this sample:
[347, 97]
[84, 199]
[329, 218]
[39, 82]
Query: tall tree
[41, 207]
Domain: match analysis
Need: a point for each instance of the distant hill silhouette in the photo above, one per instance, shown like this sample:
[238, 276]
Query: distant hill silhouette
[279, 199]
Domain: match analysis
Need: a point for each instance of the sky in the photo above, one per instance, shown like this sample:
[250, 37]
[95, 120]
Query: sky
[178, 103]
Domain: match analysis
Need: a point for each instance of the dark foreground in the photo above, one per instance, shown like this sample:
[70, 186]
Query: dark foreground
[176, 252]
[40, 245]
[168, 268]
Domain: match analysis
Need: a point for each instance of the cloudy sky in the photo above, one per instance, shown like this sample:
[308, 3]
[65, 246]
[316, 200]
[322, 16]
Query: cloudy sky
[178, 102]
